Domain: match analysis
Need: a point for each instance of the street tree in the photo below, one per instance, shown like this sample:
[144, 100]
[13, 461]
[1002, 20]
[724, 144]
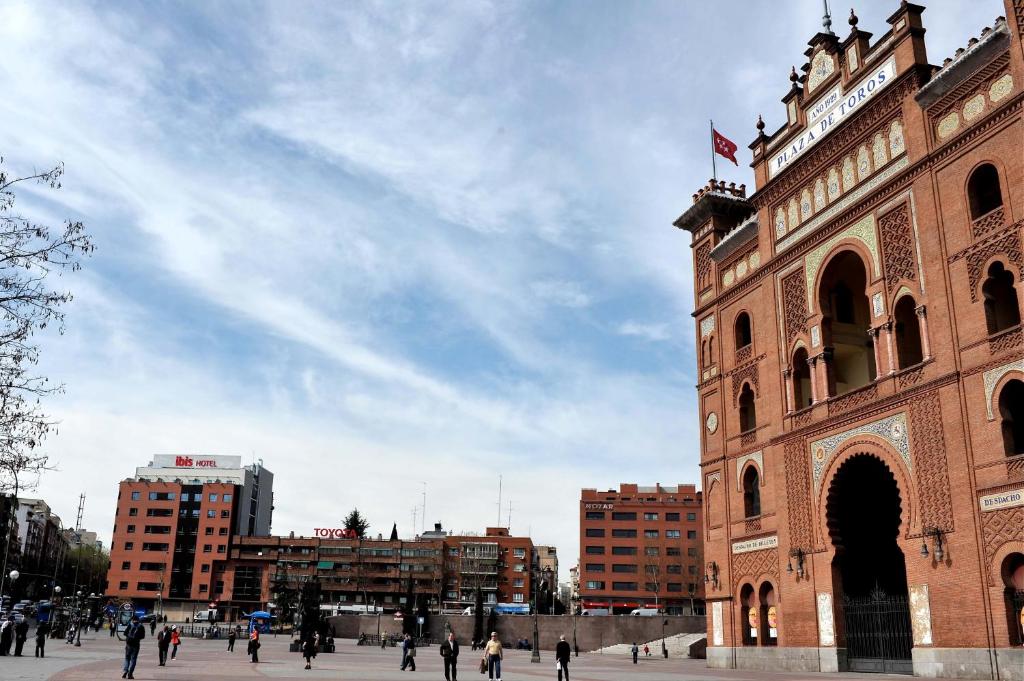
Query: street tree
[31, 256]
[355, 522]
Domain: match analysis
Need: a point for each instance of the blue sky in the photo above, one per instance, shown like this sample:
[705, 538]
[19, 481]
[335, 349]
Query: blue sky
[382, 244]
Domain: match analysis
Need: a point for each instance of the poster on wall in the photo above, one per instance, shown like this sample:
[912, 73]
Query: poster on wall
[752, 619]
[773, 622]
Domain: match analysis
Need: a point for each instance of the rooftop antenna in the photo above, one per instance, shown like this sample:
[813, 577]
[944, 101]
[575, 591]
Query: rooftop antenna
[414, 510]
[826, 20]
[423, 520]
[499, 500]
[510, 516]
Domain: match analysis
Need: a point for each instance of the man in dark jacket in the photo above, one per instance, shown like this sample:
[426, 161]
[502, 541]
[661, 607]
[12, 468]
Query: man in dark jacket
[42, 631]
[163, 642]
[562, 653]
[408, 653]
[133, 636]
[6, 635]
[20, 636]
[450, 653]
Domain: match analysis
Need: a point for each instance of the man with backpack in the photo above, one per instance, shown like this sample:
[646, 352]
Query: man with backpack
[133, 636]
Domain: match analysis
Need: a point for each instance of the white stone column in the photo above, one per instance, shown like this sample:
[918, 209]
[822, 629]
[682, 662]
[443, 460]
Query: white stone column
[812, 362]
[887, 327]
[922, 326]
[787, 382]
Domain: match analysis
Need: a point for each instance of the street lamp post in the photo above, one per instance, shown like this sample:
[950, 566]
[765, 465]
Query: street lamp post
[535, 654]
[78, 615]
[13, 576]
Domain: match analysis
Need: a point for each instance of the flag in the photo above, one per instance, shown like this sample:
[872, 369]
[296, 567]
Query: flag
[724, 146]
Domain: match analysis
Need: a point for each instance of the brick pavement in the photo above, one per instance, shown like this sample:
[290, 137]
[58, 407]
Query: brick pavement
[99, 658]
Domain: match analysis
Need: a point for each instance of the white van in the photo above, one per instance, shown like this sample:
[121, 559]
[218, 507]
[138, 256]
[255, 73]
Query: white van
[594, 611]
[645, 612]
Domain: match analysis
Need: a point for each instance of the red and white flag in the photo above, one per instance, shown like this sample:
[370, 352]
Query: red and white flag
[724, 146]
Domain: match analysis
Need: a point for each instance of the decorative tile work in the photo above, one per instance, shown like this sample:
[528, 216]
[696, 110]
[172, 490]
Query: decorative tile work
[1007, 244]
[897, 245]
[974, 107]
[840, 205]
[717, 628]
[780, 222]
[815, 336]
[714, 477]
[805, 205]
[1001, 87]
[948, 125]
[877, 305]
[930, 459]
[822, 66]
[863, 164]
[750, 565]
[880, 151]
[743, 375]
[819, 194]
[863, 230]
[848, 178]
[703, 258]
[826, 620]
[999, 527]
[794, 305]
[741, 269]
[833, 184]
[711, 423]
[851, 58]
[896, 144]
[988, 222]
[892, 429]
[757, 458]
[754, 260]
[798, 495]
[993, 376]
[793, 216]
[920, 615]
[707, 326]
[729, 278]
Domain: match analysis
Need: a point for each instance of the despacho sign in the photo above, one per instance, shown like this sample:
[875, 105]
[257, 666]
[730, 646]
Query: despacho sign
[994, 502]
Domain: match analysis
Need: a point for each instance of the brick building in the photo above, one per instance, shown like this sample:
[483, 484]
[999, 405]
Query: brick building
[379, 573]
[641, 547]
[861, 365]
[175, 518]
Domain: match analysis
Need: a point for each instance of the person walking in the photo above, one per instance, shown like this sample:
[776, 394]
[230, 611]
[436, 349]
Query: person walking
[493, 654]
[647, 650]
[635, 651]
[450, 653]
[562, 654]
[175, 641]
[113, 628]
[309, 648]
[408, 653]
[254, 644]
[163, 642]
[6, 635]
[42, 631]
[133, 636]
[152, 626]
[231, 640]
[20, 636]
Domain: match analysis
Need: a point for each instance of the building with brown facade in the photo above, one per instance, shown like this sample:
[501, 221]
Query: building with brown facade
[641, 547]
[441, 571]
[174, 519]
[861, 365]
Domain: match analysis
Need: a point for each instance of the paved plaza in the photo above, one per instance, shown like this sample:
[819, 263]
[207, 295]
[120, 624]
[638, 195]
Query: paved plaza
[100, 658]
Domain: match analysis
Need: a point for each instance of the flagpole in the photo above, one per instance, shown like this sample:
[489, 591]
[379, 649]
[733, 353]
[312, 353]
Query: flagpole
[714, 172]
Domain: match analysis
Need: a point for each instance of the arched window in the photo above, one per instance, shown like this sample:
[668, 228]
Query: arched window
[751, 493]
[704, 355]
[1001, 309]
[908, 333]
[743, 335]
[769, 630]
[711, 350]
[983, 191]
[801, 380]
[1013, 579]
[1011, 410]
[748, 413]
[748, 611]
[846, 317]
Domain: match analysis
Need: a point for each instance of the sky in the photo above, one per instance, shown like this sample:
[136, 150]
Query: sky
[389, 248]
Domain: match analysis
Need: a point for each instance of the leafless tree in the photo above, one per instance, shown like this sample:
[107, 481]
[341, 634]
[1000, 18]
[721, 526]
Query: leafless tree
[31, 254]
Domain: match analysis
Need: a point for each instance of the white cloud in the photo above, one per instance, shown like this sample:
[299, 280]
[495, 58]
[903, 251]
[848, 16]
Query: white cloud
[562, 293]
[651, 332]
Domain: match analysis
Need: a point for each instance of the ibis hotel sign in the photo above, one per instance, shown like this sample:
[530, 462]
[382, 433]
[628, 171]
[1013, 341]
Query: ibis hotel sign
[829, 111]
[196, 461]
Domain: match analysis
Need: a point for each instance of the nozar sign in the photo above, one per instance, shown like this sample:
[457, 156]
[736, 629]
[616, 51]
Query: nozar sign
[829, 111]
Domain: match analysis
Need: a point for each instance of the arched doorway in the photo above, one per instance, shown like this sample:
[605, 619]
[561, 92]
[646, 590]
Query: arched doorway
[868, 572]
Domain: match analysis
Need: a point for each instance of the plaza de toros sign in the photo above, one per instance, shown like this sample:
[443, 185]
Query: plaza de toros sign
[756, 544]
[829, 111]
[994, 502]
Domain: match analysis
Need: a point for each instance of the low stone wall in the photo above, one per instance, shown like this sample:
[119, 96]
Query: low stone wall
[592, 632]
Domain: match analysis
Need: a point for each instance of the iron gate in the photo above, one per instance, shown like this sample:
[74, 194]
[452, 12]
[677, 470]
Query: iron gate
[878, 634]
